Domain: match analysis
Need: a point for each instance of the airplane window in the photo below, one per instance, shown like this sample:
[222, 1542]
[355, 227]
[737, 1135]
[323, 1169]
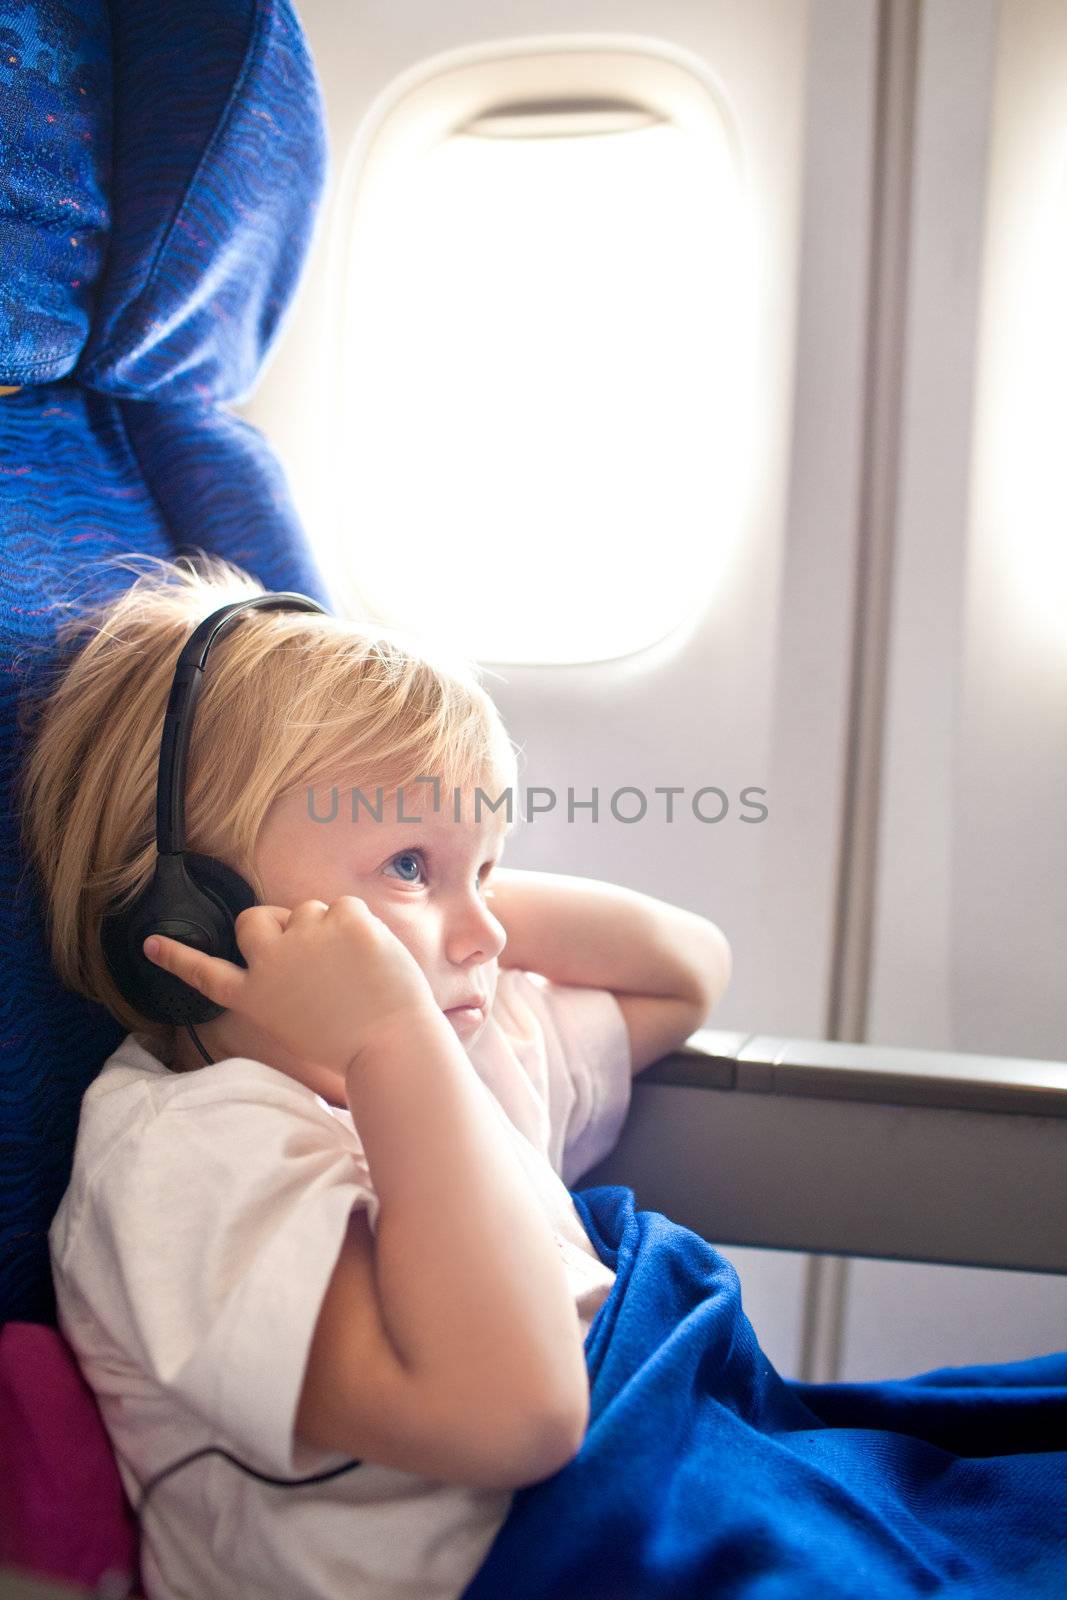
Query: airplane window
[547, 351]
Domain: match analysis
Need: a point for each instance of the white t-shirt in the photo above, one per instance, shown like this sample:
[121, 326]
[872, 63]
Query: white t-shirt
[191, 1253]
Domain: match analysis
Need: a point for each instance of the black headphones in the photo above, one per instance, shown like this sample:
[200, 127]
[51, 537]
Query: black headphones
[192, 898]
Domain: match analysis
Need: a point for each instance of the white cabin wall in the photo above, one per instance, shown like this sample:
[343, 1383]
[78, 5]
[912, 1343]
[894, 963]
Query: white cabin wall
[970, 940]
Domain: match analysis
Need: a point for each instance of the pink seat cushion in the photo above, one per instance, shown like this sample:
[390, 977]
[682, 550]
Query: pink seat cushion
[63, 1511]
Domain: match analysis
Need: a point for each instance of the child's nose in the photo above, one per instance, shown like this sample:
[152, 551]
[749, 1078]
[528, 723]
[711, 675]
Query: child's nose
[475, 931]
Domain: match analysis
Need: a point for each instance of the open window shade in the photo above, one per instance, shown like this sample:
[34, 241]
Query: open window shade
[547, 340]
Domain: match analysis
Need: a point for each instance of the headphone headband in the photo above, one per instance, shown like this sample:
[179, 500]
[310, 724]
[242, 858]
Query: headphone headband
[192, 898]
[181, 707]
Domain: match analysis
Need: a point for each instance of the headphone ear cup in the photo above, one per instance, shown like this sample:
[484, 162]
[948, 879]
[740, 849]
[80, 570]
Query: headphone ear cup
[230, 893]
[193, 899]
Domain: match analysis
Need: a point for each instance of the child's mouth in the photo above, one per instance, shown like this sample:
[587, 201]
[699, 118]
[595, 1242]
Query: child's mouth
[464, 1018]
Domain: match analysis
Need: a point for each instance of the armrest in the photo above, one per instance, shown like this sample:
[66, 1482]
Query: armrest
[916, 1155]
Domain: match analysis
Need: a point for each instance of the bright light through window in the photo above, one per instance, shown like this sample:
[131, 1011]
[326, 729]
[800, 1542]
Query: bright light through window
[546, 354]
[1025, 473]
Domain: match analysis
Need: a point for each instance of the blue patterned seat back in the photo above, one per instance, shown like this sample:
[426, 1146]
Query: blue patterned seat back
[160, 166]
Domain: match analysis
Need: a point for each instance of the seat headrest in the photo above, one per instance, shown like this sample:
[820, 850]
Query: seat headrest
[55, 154]
[189, 136]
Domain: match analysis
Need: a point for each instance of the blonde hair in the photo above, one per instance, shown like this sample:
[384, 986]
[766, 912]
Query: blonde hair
[289, 700]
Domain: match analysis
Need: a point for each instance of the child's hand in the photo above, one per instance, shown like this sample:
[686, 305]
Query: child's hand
[322, 980]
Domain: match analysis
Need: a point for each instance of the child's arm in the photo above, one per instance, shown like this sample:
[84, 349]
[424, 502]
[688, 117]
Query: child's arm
[448, 1344]
[668, 968]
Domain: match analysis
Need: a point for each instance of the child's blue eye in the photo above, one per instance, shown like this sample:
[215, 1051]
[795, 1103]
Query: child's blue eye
[408, 855]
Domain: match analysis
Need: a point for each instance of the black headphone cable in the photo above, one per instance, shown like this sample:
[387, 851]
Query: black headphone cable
[264, 1477]
[196, 1040]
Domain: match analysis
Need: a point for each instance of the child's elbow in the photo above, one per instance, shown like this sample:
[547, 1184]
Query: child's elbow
[713, 966]
[724, 966]
[556, 1447]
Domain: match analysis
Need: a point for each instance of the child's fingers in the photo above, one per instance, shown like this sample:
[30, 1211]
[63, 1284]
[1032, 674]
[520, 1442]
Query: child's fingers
[257, 927]
[220, 981]
[259, 919]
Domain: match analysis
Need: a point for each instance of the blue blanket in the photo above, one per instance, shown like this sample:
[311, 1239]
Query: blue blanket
[706, 1474]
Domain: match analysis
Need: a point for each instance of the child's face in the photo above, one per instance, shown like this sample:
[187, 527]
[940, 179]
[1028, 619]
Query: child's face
[424, 879]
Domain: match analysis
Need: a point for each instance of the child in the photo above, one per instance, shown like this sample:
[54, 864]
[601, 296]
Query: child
[349, 1237]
